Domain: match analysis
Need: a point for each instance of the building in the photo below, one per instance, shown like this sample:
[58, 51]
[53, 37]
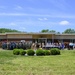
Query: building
[37, 37]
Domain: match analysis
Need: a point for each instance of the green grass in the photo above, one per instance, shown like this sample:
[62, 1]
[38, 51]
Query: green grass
[63, 64]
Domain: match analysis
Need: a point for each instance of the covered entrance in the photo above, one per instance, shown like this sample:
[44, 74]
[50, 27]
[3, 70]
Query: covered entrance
[42, 41]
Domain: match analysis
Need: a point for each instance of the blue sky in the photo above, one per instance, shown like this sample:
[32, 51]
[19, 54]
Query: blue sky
[35, 15]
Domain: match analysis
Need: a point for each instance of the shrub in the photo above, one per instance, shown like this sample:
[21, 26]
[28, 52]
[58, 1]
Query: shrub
[40, 52]
[47, 52]
[16, 51]
[30, 52]
[55, 51]
[22, 52]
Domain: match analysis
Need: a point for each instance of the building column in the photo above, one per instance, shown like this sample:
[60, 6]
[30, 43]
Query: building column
[52, 38]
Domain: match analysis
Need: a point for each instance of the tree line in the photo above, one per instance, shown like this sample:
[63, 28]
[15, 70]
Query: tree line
[53, 31]
[4, 30]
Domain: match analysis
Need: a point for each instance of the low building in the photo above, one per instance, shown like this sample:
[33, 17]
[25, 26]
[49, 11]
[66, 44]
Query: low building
[37, 37]
[41, 38]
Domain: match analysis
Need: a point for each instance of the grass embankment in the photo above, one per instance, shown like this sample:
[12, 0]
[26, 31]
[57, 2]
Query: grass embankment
[63, 64]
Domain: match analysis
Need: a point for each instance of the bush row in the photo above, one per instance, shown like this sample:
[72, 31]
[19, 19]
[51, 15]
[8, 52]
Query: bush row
[38, 52]
[19, 52]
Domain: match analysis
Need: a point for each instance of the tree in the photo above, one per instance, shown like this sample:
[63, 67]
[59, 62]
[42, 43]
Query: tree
[49, 31]
[58, 32]
[53, 31]
[69, 31]
[3, 30]
[44, 30]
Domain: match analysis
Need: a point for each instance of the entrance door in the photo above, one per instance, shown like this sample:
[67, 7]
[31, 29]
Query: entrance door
[42, 41]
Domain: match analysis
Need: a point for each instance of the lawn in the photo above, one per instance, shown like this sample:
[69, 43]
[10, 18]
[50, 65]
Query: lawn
[63, 64]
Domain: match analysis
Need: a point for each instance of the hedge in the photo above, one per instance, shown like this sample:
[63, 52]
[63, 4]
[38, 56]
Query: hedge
[30, 52]
[55, 51]
[40, 52]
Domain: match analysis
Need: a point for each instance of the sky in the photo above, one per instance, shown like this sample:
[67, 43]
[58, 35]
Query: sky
[36, 15]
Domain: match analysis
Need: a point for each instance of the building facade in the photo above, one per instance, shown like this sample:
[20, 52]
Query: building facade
[37, 37]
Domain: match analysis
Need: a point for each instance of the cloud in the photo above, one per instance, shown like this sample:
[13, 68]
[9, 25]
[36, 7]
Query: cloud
[13, 14]
[18, 8]
[45, 18]
[9, 24]
[42, 19]
[64, 23]
[12, 24]
[22, 28]
[39, 15]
